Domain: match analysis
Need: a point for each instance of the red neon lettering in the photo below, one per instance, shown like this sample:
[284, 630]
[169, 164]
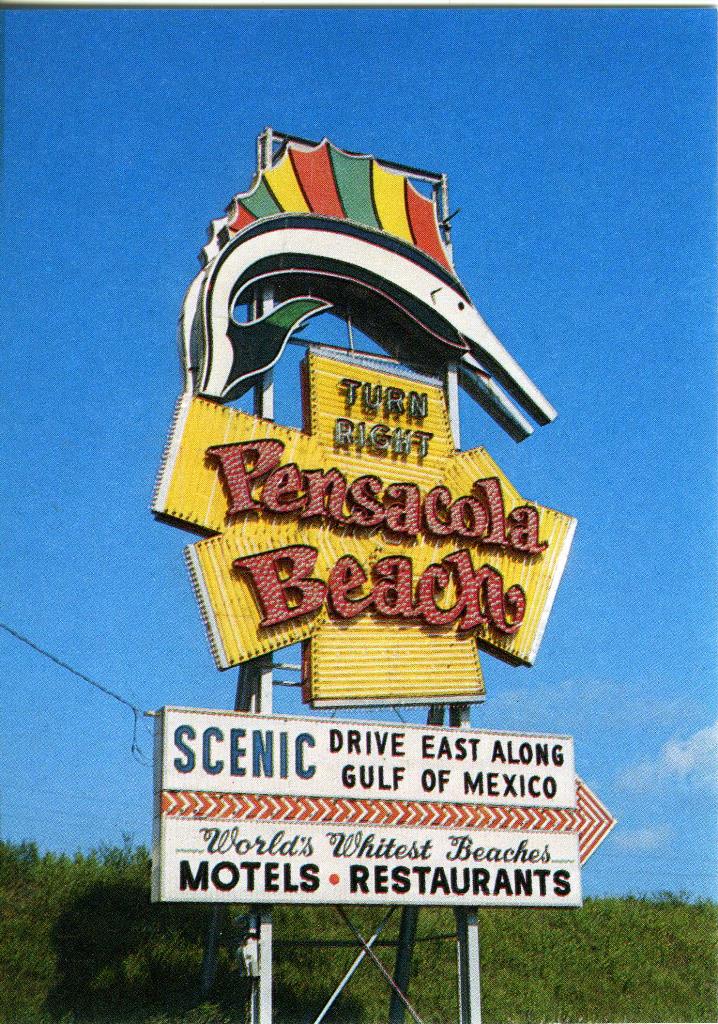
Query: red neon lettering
[469, 517]
[285, 590]
[404, 514]
[524, 530]
[234, 463]
[361, 496]
[325, 494]
[282, 583]
[392, 594]
[481, 593]
[347, 575]
[491, 491]
[468, 584]
[281, 491]
[435, 578]
[438, 499]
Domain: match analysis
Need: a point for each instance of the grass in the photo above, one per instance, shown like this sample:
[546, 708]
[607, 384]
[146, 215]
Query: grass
[80, 943]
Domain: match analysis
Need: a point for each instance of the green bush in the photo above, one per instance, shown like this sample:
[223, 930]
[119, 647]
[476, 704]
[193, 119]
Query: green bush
[80, 943]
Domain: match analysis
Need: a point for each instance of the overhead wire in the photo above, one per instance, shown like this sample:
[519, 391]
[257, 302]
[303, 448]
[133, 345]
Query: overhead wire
[137, 712]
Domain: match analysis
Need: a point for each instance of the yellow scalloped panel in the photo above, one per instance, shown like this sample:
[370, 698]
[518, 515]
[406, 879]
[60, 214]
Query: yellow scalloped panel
[354, 663]
[189, 488]
[538, 575]
[383, 660]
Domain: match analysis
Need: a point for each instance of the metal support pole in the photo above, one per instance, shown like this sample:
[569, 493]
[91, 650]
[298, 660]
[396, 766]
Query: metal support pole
[265, 150]
[254, 693]
[264, 390]
[260, 152]
[436, 715]
[469, 966]
[379, 965]
[407, 928]
[349, 974]
[402, 966]
[452, 399]
[268, 155]
[254, 686]
[264, 397]
[445, 213]
[467, 926]
[260, 1010]
[460, 716]
[208, 975]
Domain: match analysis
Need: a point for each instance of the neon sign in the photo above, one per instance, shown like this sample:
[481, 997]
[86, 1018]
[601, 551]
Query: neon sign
[361, 535]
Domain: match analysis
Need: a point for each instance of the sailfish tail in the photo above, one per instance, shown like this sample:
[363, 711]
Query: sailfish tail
[258, 344]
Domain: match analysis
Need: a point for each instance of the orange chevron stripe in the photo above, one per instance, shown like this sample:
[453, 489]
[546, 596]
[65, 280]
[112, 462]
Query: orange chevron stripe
[591, 821]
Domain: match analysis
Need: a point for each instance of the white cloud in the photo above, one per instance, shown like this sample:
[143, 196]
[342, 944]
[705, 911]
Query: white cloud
[639, 777]
[650, 838]
[693, 760]
[697, 755]
[585, 707]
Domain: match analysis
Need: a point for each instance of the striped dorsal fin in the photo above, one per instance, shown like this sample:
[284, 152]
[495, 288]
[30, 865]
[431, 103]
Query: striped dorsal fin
[328, 182]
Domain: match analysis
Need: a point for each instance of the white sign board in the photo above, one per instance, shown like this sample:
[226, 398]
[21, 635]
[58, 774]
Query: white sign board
[234, 752]
[264, 808]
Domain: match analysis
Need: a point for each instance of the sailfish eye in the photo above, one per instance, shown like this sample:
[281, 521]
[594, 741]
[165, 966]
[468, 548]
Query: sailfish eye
[461, 305]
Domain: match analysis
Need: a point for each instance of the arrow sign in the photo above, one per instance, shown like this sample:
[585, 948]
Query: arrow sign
[265, 808]
[594, 821]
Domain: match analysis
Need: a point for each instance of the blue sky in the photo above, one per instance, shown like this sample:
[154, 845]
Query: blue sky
[580, 146]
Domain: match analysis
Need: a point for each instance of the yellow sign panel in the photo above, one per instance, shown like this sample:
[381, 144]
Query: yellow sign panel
[376, 422]
[367, 535]
[361, 660]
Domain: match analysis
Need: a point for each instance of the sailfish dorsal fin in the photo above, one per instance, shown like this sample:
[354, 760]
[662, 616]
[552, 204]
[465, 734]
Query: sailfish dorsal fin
[326, 181]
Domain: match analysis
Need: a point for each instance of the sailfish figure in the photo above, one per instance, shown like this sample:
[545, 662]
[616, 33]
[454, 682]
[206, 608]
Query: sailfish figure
[325, 229]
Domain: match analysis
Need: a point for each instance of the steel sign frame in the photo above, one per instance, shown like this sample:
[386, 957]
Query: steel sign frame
[258, 808]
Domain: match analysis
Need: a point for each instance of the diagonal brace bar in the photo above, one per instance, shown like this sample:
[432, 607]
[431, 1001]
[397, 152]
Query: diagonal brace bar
[379, 965]
[347, 977]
